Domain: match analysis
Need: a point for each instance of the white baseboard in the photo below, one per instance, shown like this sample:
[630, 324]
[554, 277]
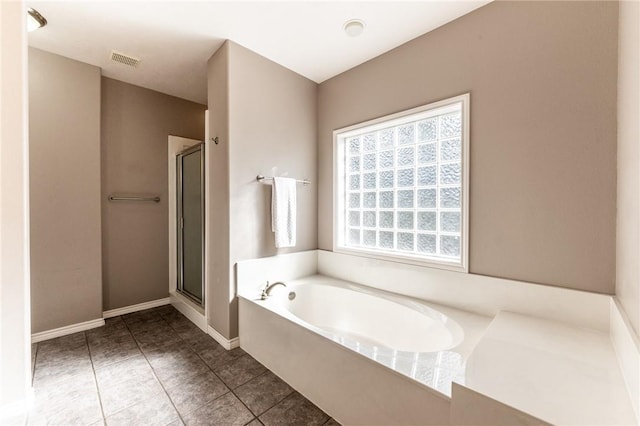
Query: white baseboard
[135, 308]
[69, 329]
[187, 308]
[226, 343]
[88, 325]
[191, 313]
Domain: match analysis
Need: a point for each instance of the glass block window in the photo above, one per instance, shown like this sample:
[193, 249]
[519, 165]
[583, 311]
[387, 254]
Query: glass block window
[401, 185]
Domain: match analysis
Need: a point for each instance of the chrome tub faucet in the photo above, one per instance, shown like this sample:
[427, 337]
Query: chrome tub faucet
[266, 291]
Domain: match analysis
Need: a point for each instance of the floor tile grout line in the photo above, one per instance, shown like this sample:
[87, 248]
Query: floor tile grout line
[215, 374]
[237, 397]
[287, 396]
[232, 390]
[166, 319]
[95, 378]
[257, 416]
[33, 379]
[277, 402]
[33, 368]
[252, 420]
[290, 395]
[61, 349]
[153, 370]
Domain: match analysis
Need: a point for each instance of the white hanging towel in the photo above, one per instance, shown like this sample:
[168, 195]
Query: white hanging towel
[283, 211]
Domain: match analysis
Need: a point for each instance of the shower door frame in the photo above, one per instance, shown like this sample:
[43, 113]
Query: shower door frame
[180, 223]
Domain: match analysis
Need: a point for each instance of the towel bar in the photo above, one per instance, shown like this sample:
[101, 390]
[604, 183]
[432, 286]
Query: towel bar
[261, 178]
[125, 198]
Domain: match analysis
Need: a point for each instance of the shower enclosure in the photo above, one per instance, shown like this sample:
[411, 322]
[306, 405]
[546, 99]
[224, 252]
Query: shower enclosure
[190, 222]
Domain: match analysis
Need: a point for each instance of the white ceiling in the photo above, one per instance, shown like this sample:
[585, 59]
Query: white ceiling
[174, 39]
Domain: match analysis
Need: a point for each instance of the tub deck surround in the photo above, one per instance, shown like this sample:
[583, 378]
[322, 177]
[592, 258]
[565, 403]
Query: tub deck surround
[529, 351]
[562, 374]
[469, 292]
[426, 343]
[254, 273]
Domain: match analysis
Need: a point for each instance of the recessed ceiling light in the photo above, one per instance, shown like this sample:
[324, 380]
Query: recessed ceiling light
[35, 20]
[354, 27]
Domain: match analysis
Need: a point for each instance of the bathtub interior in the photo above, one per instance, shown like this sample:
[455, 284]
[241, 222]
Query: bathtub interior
[426, 343]
[380, 320]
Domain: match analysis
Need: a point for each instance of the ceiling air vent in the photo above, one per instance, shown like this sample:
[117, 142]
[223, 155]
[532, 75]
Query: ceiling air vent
[124, 59]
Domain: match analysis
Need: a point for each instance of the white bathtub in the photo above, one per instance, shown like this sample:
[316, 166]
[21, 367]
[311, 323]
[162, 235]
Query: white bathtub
[355, 316]
[363, 355]
[515, 363]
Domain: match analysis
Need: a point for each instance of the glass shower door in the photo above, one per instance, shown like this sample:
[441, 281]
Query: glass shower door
[190, 203]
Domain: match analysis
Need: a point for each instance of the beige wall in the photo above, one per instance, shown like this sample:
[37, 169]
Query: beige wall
[271, 122]
[136, 123]
[542, 77]
[217, 188]
[15, 329]
[64, 138]
[273, 113]
[628, 239]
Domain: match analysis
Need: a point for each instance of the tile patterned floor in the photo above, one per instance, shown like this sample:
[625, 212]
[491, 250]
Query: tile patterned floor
[155, 367]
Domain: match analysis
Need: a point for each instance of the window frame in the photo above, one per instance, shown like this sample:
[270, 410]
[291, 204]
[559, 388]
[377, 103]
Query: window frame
[393, 120]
